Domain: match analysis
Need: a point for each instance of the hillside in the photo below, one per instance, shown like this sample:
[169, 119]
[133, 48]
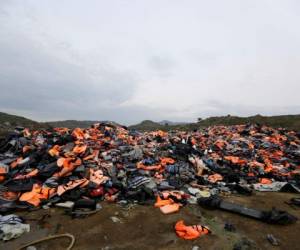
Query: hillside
[287, 121]
[166, 122]
[75, 124]
[8, 122]
[148, 125]
[71, 123]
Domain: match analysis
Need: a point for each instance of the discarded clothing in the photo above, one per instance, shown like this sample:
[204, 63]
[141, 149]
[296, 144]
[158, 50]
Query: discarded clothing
[109, 162]
[276, 187]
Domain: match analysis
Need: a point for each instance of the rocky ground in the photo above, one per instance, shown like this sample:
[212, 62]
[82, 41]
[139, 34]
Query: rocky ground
[145, 227]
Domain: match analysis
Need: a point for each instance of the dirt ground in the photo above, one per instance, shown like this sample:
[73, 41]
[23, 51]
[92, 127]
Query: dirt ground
[145, 227]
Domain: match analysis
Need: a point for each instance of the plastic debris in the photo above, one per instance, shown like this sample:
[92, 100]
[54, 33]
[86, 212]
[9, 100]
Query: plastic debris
[12, 226]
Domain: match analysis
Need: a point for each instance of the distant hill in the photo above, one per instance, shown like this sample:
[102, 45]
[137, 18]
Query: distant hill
[14, 120]
[166, 122]
[75, 124]
[8, 122]
[287, 121]
[72, 124]
[148, 125]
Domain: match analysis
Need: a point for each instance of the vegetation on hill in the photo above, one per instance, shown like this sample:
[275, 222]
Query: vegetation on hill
[14, 120]
[9, 122]
[74, 123]
[287, 121]
[71, 124]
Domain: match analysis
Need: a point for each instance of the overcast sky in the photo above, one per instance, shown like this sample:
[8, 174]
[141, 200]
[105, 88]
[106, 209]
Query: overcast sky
[131, 60]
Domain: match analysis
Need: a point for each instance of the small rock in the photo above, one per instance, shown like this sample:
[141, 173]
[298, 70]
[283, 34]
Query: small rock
[123, 202]
[244, 244]
[67, 204]
[229, 227]
[192, 200]
[272, 240]
[31, 248]
[115, 219]
[193, 191]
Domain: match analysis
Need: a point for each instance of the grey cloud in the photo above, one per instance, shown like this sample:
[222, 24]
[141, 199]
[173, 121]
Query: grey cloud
[33, 79]
[201, 57]
[162, 65]
[216, 108]
[148, 61]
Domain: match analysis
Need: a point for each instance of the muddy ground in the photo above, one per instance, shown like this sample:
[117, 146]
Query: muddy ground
[145, 227]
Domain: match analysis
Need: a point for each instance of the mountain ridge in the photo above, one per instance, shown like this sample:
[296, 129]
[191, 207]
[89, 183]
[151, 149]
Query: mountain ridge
[292, 122]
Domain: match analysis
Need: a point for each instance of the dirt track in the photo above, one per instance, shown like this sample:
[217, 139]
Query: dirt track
[145, 227]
